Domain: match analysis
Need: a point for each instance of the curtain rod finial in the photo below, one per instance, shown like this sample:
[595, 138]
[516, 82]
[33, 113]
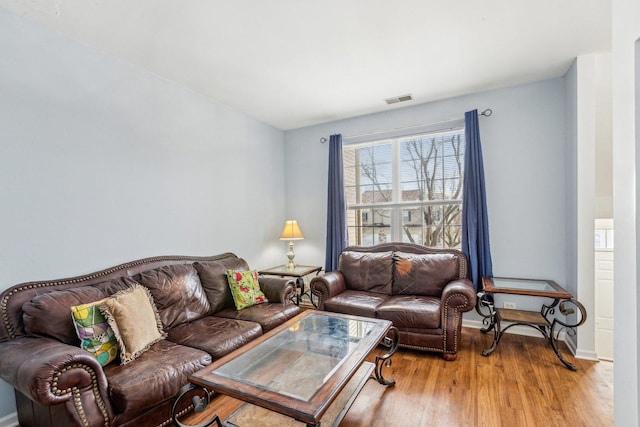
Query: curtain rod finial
[323, 140]
[487, 112]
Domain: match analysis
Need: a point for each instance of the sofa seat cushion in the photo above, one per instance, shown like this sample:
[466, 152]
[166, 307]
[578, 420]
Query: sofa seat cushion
[155, 376]
[215, 335]
[268, 315]
[358, 303]
[411, 311]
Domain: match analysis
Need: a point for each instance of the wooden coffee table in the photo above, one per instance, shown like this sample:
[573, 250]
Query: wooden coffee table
[300, 367]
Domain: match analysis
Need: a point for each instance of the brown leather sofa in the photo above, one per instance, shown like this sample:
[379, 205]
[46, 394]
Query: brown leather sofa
[423, 291]
[56, 383]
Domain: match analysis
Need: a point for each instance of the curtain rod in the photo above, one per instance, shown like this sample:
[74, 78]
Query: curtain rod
[487, 112]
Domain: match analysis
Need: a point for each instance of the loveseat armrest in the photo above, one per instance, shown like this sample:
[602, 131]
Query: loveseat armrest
[459, 294]
[277, 289]
[327, 286]
[50, 372]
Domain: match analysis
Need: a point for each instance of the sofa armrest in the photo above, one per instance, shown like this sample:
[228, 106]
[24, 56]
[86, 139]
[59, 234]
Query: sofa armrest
[327, 286]
[50, 372]
[458, 295]
[277, 289]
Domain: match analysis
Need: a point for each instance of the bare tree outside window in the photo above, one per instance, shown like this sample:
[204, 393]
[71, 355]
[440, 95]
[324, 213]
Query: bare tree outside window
[412, 196]
[431, 170]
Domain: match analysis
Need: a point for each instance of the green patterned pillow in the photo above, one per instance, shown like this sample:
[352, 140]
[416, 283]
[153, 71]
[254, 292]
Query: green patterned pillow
[245, 288]
[96, 336]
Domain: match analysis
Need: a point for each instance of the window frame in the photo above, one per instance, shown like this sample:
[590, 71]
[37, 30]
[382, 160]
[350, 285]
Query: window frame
[396, 206]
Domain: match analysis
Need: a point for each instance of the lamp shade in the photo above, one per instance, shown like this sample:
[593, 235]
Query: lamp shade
[291, 231]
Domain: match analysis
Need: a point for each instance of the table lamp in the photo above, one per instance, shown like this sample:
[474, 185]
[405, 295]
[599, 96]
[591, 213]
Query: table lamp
[291, 232]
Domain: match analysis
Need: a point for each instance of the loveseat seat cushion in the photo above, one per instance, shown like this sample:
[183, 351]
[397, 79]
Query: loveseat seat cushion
[367, 271]
[177, 293]
[423, 274]
[49, 314]
[213, 276]
[268, 315]
[215, 335]
[155, 376]
[358, 303]
[411, 311]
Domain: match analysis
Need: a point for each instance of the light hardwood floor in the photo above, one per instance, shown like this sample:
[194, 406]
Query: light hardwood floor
[521, 384]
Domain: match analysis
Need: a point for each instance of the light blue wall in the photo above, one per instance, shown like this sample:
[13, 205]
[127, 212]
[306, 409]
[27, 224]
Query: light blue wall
[102, 162]
[524, 157]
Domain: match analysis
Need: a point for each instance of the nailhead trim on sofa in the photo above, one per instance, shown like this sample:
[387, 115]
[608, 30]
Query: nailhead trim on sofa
[77, 401]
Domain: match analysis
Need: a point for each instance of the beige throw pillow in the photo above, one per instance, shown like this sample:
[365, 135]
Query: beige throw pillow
[134, 319]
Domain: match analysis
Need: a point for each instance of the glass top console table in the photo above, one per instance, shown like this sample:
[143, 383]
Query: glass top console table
[544, 321]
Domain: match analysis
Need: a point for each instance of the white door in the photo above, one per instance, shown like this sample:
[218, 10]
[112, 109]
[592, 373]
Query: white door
[604, 289]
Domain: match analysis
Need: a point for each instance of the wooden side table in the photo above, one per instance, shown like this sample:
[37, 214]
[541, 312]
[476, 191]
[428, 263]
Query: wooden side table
[299, 272]
[542, 321]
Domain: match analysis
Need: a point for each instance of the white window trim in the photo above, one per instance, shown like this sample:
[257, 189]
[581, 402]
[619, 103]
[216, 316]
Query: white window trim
[396, 205]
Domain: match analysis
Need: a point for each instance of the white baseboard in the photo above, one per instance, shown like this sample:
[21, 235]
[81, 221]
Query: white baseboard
[586, 355]
[10, 420]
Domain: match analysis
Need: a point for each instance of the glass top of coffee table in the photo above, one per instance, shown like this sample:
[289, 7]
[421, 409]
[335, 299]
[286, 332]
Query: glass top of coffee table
[298, 368]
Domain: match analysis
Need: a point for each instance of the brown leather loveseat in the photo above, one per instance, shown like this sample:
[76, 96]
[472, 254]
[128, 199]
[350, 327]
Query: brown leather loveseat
[57, 383]
[423, 291]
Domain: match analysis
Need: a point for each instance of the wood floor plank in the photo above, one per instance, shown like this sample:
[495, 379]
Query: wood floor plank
[521, 384]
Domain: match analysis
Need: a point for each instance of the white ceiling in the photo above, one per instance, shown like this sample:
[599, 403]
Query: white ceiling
[294, 63]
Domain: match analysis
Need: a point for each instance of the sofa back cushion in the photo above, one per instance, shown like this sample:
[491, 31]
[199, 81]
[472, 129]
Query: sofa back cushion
[423, 274]
[213, 276]
[49, 314]
[177, 293]
[367, 271]
[13, 298]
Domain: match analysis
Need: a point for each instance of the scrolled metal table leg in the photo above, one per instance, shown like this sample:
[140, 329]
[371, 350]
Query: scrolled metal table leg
[385, 359]
[490, 319]
[299, 284]
[199, 405]
[486, 300]
[556, 350]
[497, 334]
[566, 309]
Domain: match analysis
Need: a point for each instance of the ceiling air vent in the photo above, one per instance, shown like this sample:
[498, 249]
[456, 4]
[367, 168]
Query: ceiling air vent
[396, 99]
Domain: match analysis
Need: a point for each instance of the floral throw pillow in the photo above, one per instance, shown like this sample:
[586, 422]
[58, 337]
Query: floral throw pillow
[96, 336]
[245, 288]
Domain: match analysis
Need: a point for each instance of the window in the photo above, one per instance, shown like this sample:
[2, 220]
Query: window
[406, 189]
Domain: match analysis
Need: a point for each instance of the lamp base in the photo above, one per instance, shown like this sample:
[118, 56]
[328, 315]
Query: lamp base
[291, 255]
